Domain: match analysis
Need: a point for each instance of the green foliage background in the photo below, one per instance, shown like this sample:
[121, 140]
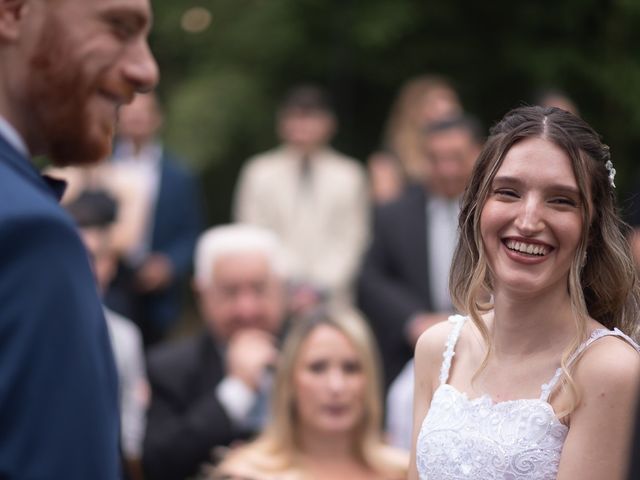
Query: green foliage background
[220, 86]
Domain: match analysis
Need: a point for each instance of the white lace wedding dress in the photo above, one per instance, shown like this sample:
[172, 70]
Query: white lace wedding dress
[478, 439]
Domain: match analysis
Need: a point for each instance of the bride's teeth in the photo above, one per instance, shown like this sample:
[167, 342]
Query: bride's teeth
[522, 247]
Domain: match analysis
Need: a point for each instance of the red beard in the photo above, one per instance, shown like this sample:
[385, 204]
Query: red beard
[59, 89]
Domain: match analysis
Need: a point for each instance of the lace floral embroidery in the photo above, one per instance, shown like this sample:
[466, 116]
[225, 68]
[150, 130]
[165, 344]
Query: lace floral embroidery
[479, 439]
[447, 355]
[482, 440]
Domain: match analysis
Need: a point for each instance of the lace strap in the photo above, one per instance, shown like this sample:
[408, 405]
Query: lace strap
[595, 335]
[452, 339]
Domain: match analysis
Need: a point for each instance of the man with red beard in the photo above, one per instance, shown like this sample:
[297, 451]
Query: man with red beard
[65, 67]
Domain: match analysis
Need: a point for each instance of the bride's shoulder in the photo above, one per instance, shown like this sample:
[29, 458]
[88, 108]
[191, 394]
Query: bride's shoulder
[609, 367]
[612, 356]
[433, 342]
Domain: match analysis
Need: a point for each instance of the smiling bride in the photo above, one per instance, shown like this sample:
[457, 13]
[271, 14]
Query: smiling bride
[544, 381]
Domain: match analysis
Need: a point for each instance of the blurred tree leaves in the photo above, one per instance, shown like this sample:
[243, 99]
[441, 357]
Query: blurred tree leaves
[227, 105]
[221, 86]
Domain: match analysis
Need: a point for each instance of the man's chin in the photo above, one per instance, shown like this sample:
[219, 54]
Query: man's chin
[80, 154]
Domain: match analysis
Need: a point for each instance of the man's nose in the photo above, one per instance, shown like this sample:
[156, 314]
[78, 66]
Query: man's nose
[247, 308]
[141, 68]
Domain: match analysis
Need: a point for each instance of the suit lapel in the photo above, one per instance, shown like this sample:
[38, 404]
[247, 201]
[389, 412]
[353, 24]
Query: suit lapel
[23, 167]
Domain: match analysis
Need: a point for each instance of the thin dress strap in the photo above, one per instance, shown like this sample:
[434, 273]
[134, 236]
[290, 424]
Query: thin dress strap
[458, 322]
[547, 388]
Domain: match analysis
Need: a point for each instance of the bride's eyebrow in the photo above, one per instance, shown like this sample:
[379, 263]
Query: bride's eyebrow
[506, 180]
[509, 180]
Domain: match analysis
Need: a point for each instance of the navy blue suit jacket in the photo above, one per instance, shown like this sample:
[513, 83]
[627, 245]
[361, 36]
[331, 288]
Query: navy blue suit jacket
[58, 385]
[177, 223]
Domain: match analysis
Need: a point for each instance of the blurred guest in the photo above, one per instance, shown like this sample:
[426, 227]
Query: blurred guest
[421, 101]
[386, 177]
[94, 212]
[159, 218]
[314, 198]
[326, 410]
[211, 389]
[554, 97]
[402, 287]
[66, 69]
[122, 185]
[167, 218]
[633, 218]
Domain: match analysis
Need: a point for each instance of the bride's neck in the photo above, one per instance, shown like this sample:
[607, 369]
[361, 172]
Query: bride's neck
[521, 325]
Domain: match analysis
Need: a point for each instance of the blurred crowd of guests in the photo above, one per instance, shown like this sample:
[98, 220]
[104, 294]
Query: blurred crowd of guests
[310, 303]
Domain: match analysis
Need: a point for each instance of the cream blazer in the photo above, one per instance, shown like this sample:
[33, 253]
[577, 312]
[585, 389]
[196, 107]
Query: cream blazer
[322, 220]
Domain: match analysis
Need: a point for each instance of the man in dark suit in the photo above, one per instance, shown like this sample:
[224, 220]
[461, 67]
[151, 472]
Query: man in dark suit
[58, 387]
[402, 287]
[209, 390]
[155, 267]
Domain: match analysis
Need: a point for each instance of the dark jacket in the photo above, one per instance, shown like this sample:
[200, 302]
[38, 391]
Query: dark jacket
[58, 384]
[393, 283]
[634, 467]
[185, 420]
[177, 222]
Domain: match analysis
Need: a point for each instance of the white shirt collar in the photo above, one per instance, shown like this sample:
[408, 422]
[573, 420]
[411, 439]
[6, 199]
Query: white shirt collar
[12, 136]
[443, 204]
[150, 153]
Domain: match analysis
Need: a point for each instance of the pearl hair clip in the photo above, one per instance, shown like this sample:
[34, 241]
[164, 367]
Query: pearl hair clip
[609, 166]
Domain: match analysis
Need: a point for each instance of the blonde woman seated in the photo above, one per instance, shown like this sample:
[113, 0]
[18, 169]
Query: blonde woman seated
[326, 411]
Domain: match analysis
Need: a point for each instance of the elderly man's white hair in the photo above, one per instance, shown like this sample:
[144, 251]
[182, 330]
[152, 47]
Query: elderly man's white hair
[219, 241]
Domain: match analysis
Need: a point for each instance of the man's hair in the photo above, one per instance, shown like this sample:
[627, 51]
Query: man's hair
[462, 122]
[93, 208]
[306, 98]
[223, 240]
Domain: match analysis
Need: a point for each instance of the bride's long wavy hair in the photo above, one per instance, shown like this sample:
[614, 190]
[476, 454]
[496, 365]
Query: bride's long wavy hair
[604, 287]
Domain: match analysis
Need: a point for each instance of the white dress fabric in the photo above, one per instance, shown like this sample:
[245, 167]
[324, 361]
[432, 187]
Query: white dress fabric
[462, 438]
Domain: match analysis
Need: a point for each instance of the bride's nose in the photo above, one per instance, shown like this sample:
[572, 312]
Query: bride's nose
[529, 219]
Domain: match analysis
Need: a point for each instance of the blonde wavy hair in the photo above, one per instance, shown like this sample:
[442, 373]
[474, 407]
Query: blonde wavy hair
[603, 281]
[277, 449]
[403, 134]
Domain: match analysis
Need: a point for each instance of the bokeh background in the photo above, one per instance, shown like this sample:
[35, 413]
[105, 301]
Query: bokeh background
[225, 64]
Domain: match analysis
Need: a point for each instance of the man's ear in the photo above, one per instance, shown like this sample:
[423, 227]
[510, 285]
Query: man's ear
[12, 13]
